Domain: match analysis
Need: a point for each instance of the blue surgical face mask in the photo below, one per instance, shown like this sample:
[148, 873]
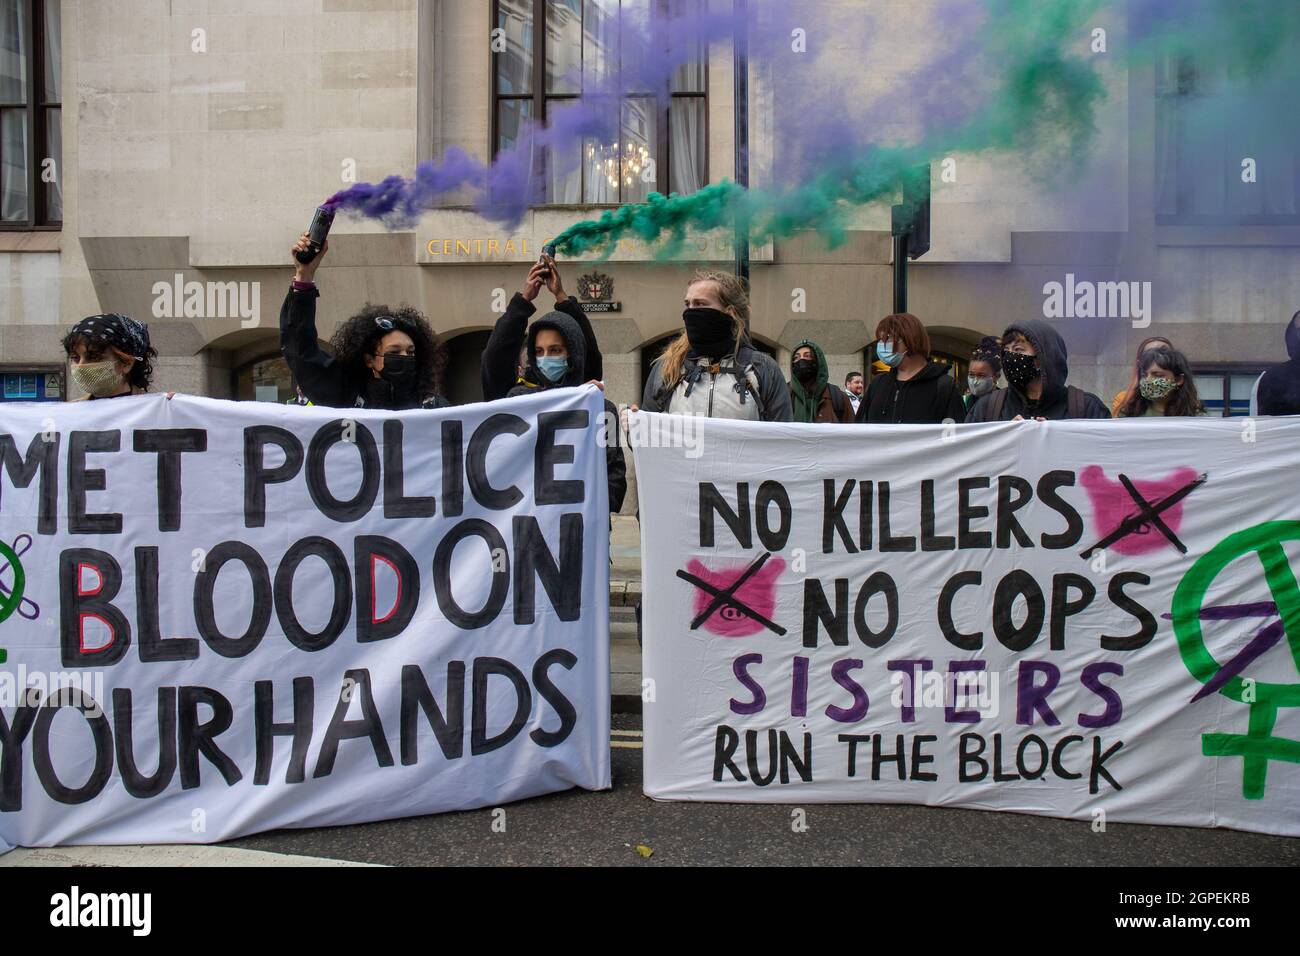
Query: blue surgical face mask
[553, 367]
[885, 352]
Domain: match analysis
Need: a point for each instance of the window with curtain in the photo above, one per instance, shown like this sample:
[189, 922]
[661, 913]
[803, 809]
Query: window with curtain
[1210, 118]
[553, 51]
[31, 142]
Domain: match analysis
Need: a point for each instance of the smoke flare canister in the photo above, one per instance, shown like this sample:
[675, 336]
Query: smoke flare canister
[316, 234]
[547, 250]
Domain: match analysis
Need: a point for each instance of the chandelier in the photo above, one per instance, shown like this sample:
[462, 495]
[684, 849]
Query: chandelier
[618, 160]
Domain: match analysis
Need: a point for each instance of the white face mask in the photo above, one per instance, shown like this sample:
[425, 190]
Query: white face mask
[98, 378]
[979, 384]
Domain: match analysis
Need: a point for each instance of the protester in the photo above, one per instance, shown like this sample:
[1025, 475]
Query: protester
[505, 357]
[109, 356]
[983, 371]
[383, 358]
[1165, 386]
[853, 385]
[711, 369]
[558, 359]
[1122, 396]
[1034, 363]
[812, 395]
[1279, 387]
[915, 391]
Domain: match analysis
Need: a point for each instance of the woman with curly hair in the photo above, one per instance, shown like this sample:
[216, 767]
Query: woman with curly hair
[110, 355]
[383, 358]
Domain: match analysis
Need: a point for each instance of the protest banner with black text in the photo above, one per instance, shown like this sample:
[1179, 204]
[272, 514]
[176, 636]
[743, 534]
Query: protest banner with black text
[1096, 620]
[218, 618]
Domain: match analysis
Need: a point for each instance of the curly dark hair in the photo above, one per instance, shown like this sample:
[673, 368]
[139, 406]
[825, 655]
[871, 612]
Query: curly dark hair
[989, 350]
[1183, 402]
[141, 371]
[359, 336]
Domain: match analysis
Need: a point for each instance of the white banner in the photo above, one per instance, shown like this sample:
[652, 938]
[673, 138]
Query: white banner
[219, 618]
[1093, 620]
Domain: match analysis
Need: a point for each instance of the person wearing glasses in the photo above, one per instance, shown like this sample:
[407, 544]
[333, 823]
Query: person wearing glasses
[383, 358]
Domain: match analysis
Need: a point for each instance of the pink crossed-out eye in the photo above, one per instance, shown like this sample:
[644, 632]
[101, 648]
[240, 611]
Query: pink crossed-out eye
[758, 592]
[1111, 504]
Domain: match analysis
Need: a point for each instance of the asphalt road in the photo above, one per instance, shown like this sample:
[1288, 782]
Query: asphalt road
[580, 828]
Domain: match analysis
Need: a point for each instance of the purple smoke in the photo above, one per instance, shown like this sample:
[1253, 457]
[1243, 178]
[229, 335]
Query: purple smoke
[504, 190]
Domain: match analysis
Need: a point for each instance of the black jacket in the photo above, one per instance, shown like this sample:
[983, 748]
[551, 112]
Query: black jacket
[1279, 389]
[322, 379]
[1053, 404]
[577, 374]
[501, 353]
[929, 397]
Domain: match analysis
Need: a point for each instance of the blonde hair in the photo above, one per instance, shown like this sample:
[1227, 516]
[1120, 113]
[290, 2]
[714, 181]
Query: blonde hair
[733, 293]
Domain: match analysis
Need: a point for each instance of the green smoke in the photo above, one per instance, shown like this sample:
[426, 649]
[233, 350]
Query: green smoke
[1046, 88]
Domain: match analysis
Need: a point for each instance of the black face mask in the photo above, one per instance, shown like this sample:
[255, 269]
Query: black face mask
[805, 370]
[709, 331]
[1020, 369]
[398, 370]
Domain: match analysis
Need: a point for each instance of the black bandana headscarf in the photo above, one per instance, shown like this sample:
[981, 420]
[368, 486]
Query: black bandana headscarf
[119, 331]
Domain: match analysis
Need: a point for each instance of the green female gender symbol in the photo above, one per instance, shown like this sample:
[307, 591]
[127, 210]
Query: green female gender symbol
[1266, 540]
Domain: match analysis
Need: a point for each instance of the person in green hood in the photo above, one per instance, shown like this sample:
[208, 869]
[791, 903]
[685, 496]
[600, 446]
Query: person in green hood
[814, 398]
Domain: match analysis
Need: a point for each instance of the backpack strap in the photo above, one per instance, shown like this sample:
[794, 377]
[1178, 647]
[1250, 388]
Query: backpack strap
[690, 375]
[999, 402]
[744, 385]
[1074, 402]
[837, 401]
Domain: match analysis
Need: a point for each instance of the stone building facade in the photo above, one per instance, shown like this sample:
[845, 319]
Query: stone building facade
[197, 137]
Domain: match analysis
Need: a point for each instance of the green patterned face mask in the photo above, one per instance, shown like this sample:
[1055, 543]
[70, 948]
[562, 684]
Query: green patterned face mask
[1157, 389]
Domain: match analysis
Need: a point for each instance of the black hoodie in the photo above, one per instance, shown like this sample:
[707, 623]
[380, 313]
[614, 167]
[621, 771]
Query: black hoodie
[929, 397]
[1053, 404]
[1279, 388]
[575, 342]
[502, 349]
